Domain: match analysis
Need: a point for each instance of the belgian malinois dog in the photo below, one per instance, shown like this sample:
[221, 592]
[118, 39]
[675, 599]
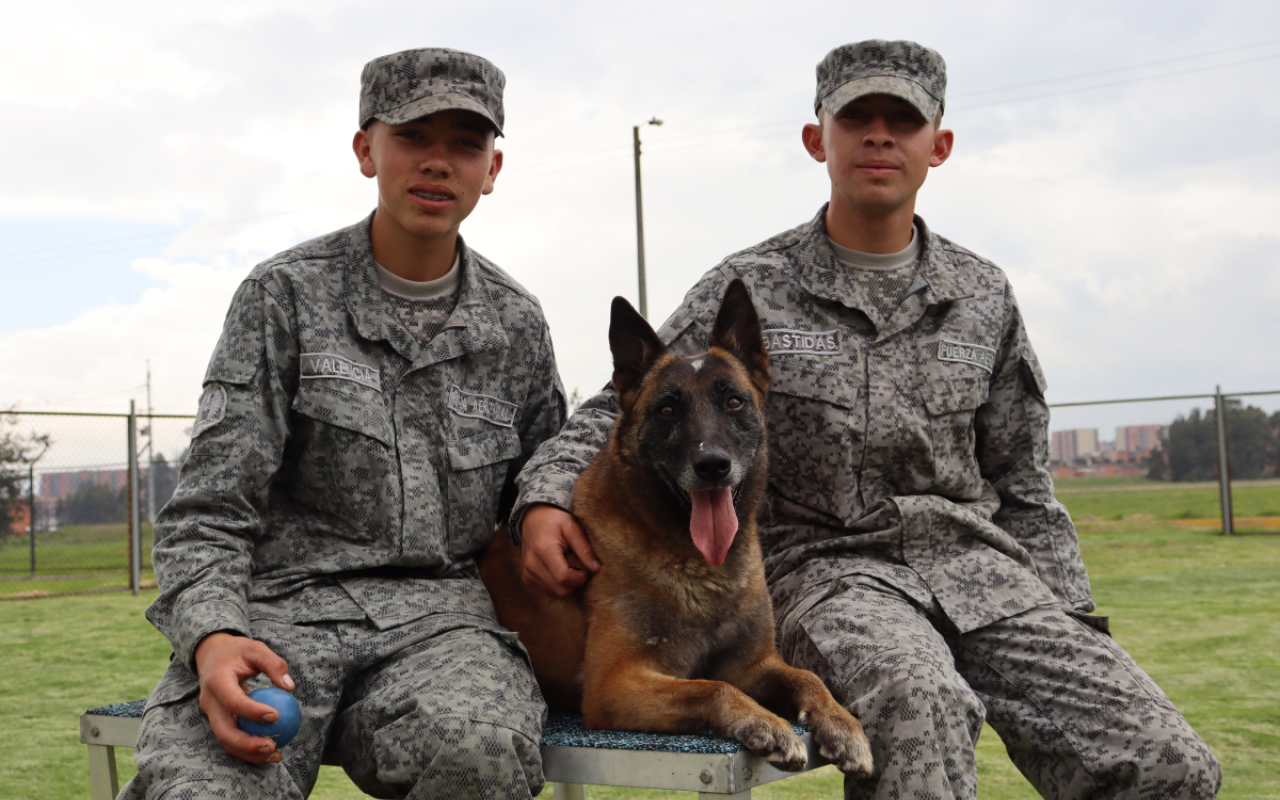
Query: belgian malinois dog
[675, 633]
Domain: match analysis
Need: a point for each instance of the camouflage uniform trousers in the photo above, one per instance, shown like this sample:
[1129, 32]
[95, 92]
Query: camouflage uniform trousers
[1078, 716]
[439, 707]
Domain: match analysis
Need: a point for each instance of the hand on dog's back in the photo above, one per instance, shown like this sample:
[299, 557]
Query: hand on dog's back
[557, 558]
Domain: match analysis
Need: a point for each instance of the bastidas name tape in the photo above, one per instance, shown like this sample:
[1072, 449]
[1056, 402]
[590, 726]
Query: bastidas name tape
[786, 340]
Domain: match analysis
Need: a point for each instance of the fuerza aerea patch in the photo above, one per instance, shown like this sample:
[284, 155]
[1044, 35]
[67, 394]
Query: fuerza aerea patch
[974, 354]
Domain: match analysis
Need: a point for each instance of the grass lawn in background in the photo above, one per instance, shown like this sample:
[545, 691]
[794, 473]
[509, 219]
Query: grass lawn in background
[1201, 612]
[1118, 498]
[77, 558]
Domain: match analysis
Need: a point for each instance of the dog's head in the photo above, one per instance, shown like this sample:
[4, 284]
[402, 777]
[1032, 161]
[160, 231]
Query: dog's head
[697, 423]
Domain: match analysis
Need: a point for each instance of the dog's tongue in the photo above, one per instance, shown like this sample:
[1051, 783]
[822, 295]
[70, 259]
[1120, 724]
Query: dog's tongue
[713, 523]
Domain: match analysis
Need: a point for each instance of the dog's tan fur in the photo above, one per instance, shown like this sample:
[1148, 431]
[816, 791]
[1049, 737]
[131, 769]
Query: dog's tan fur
[661, 640]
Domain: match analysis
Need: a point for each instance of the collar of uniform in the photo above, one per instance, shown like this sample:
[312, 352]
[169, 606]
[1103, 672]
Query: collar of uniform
[366, 303]
[821, 274]
[474, 325]
[939, 270]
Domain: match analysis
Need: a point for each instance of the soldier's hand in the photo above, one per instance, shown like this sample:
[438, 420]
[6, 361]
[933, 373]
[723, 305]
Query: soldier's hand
[225, 663]
[556, 554]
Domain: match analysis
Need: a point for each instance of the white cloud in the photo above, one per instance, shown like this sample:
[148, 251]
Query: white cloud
[104, 349]
[1135, 221]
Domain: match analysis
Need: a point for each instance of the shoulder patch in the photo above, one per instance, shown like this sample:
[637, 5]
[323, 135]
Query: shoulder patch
[213, 409]
[482, 406]
[976, 354]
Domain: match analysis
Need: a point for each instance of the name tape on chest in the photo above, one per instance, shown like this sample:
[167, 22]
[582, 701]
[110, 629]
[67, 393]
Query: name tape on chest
[974, 354]
[329, 365]
[482, 406]
[814, 343]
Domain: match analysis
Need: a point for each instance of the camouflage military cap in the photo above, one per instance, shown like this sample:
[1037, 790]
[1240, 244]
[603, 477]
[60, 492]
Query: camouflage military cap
[902, 69]
[414, 83]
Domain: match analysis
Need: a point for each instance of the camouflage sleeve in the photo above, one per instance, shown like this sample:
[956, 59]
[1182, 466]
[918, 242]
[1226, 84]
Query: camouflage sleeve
[550, 475]
[204, 537]
[542, 416]
[1012, 445]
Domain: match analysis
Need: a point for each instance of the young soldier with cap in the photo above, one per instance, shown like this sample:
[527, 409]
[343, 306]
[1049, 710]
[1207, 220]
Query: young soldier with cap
[916, 556]
[373, 395]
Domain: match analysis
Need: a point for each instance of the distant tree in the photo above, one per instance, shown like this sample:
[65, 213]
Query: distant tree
[1189, 451]
[1251, 438]
[165, 479]
[16, 452]
[1157, 466]
[94, 504]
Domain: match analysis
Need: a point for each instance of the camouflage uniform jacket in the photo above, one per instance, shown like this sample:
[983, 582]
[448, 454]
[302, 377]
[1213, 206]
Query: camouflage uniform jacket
[339, 467]
[915, 453]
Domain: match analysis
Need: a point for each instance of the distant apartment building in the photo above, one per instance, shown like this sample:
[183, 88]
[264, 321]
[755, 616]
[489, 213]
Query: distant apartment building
[1069, 446]
[1138, 438]
[60, 485]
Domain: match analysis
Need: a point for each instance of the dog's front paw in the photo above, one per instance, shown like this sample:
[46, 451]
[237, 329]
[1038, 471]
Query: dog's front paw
[841, 740]
[773, 740]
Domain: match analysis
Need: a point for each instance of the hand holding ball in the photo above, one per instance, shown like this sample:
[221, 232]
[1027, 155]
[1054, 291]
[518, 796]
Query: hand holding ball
[284, 728]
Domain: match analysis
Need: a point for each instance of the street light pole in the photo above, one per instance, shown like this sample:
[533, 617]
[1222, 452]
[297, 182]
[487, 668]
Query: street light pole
[635, 141]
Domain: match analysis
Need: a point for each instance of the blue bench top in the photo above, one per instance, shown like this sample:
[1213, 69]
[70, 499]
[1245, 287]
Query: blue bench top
[562, 730]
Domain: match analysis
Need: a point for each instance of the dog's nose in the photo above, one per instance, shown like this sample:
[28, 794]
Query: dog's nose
[712, 466]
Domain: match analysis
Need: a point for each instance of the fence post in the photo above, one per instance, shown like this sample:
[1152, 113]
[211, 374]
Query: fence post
[1224, 464]
[135, 525]
[31, 513]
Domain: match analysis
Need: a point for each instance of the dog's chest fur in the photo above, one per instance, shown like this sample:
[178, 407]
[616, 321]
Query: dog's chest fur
[692, 618]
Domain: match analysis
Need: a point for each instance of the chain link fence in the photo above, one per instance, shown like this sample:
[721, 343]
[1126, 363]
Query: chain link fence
[1177, 445]
[78, 511]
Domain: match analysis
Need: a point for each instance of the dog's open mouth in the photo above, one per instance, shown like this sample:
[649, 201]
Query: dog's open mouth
[713, 523]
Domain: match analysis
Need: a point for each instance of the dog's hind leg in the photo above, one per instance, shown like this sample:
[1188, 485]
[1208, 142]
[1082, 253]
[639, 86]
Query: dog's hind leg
[635, 697]
[786, 689]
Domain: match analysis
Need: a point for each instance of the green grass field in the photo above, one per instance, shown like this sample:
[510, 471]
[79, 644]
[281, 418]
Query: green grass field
[1201, 612]
[1117, 498]
[74, 559]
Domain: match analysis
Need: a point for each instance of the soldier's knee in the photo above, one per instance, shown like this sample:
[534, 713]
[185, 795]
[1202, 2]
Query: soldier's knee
[433, 755]
[1181, 768]
[934, 699]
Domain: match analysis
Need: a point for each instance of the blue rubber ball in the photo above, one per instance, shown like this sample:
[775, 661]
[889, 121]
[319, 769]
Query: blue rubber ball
[284, 728]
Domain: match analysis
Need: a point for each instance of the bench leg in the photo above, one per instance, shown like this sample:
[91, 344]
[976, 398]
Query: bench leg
[567, 791]
[102, 772]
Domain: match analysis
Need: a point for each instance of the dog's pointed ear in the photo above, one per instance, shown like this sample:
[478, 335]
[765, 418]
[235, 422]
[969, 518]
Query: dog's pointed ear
[737, 329]
[633, 343]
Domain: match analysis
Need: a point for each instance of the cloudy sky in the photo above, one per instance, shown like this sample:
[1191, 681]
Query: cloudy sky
[1117, 159]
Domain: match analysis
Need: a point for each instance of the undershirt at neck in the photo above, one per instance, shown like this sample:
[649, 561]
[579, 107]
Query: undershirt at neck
[422, 307]
[882, 279]
[879, 261]
[419, 290]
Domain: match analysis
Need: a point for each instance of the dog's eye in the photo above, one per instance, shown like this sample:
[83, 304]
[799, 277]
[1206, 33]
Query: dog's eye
[667, 411]
[734, 403]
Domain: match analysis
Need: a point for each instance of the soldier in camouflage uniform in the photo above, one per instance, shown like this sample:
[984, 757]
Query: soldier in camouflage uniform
[917, 559]
[373, 395]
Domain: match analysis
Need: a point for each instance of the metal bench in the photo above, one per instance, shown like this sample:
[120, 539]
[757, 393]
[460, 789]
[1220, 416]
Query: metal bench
[572, 757]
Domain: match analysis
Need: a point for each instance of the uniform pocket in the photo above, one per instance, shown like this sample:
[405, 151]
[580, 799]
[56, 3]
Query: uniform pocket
[951, 404]
[342, 459]
[347, 405]
[808, 417]
[478, 469]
